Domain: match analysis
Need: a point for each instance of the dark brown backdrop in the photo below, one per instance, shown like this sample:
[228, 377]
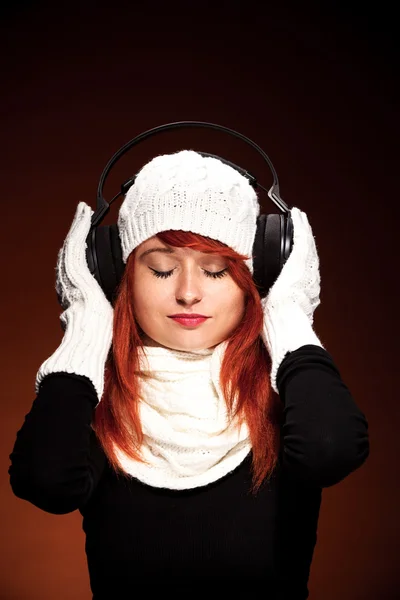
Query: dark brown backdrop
[317, 91]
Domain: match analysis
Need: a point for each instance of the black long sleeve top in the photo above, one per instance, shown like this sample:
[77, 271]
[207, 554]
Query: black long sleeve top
[216, 533]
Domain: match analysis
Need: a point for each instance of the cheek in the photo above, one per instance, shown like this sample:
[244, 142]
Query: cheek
[231, 301]
[148, 297]
[140, 295]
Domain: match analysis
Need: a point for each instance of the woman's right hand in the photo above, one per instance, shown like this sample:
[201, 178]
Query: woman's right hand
[87, 319]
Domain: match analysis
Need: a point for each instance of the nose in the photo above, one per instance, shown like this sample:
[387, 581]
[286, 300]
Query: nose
[188, 288]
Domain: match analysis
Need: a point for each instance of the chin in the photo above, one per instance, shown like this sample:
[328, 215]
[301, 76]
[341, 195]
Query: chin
[192, 346]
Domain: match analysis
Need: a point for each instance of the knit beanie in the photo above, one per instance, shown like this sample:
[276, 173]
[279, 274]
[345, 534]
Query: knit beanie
[187, 191]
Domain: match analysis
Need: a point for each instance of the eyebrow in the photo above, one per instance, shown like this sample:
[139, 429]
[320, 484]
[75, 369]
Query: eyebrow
[150, 250]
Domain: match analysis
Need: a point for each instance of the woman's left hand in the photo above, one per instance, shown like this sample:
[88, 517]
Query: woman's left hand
[290, 303]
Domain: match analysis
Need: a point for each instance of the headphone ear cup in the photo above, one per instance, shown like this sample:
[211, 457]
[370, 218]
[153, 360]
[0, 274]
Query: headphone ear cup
[107, 256]
[270, 250]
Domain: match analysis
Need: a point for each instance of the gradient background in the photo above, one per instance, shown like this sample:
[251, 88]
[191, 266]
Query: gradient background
[317, 90]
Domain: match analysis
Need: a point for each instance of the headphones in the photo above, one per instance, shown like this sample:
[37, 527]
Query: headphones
[274, 233]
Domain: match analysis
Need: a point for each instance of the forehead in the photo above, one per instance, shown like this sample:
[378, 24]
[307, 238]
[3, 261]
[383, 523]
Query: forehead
[155, 246]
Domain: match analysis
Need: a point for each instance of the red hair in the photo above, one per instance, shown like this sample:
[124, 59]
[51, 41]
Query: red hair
[245, 368]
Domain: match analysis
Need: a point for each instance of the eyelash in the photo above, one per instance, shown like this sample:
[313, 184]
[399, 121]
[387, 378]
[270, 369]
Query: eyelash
[166, 274]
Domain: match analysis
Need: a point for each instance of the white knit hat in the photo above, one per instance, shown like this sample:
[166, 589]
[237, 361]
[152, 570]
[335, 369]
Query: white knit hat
[187, 191]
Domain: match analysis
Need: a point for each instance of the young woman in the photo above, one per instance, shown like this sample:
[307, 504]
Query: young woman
[192, 423]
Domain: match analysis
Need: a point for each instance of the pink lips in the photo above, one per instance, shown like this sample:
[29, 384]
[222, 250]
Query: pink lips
[189, 321]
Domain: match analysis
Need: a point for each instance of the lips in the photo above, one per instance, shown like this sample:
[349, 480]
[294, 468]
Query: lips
[188, 316]
[189, 320]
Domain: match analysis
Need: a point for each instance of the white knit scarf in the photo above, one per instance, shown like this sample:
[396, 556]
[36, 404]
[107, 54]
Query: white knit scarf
[188, 439]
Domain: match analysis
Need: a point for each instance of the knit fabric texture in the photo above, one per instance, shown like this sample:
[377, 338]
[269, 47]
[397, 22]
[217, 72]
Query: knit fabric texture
[290, 304]
[189, 440]
[189, 192]
[88, 316]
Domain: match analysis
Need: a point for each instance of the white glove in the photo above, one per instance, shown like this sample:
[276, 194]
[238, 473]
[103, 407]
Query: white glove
[290, 303]
[88, 316]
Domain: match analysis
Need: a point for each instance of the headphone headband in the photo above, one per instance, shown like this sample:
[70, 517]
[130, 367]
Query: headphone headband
[103, 206]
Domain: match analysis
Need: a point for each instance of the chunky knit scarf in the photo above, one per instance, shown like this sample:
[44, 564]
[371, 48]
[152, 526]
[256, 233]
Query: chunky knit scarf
[188, 438]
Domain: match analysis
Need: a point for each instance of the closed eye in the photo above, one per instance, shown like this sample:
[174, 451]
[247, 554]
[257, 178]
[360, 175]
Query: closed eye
[214, 275]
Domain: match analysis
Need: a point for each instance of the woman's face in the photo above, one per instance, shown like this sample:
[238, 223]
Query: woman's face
[187, 286]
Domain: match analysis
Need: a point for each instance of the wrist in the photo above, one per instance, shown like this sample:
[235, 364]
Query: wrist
[286, 328]
[85, 346]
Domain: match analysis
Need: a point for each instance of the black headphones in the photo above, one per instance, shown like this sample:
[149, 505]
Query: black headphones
[274, 234]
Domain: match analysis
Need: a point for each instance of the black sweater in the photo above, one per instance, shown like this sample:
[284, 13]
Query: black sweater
[138, 535]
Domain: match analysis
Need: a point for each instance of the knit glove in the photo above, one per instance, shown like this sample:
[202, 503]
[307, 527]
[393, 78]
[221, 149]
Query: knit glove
[87, 320]
[290, 303]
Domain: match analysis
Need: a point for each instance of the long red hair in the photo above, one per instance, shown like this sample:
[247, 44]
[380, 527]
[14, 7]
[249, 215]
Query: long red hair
[245, 368]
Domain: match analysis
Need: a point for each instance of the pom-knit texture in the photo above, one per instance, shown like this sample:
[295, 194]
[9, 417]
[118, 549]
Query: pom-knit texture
[189, 440]
[189, 192]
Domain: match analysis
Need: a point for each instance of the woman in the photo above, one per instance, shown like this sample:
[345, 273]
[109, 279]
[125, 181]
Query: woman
[196, 449]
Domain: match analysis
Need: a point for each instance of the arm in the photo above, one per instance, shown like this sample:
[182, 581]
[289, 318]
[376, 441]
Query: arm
[325, 434]
[57, 461]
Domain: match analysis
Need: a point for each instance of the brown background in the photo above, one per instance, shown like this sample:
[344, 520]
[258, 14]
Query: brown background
[317, 91]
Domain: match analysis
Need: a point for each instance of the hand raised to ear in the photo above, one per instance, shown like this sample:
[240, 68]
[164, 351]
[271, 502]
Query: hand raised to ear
[74, 280]
[290, 303]
[88, 316]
